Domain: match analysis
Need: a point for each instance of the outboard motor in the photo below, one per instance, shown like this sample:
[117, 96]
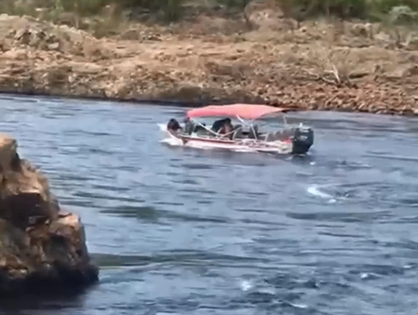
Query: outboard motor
[303, 139]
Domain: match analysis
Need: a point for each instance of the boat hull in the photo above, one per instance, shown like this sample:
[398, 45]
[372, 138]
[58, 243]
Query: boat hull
[247, 145]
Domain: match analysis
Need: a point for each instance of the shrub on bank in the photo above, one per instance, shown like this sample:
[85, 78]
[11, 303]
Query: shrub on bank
[348, 9]
[171, 10]
[372, 10]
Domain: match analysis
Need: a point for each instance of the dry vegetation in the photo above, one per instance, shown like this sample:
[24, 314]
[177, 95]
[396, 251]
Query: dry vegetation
[354, 55]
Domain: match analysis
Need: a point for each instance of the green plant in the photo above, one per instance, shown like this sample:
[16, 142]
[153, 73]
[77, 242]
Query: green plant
[169, 10]
[315, 8]
[241, 5]
[385, 6]
[395, 21]
[389, 12]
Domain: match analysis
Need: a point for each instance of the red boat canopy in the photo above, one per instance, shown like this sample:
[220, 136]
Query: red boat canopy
[245, 111]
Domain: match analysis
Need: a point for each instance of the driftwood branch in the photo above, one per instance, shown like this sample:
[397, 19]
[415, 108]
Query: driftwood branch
[337, 78]
[318, 77]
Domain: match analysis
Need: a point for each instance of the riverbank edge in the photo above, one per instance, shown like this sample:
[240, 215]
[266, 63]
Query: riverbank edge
[186, 104]
[185, 69]
[137, 101]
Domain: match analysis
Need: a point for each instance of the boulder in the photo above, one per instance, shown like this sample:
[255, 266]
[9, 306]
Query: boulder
[41, 246]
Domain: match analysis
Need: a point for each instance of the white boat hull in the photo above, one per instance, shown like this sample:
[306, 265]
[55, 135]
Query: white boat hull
[245, 145]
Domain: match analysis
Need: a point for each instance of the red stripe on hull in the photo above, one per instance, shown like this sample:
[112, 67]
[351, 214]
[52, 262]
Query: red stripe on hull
[186, 138]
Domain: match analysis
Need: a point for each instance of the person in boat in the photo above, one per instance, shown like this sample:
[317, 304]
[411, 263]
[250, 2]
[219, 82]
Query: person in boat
[227, 128]
[191, 127]
[218, 124]
[173, 125]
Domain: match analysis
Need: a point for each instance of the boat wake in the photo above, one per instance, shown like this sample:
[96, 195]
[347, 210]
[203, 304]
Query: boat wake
[317, 192]
[331, 192]
[163, 127]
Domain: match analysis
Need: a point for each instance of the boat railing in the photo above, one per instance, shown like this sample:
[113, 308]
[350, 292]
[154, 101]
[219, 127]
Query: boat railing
[216, 134]
[250, 125]
[235, 131]
[230, 135]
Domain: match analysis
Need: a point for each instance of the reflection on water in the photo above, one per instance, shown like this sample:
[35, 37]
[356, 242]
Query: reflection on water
[186, 231]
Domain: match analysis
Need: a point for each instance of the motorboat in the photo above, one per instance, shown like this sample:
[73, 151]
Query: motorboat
[243, 136]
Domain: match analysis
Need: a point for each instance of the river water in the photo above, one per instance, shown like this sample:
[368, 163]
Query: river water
[188, 231]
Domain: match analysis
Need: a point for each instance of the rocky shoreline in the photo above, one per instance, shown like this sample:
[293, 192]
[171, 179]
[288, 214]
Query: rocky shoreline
[319, 66]
[42, 247]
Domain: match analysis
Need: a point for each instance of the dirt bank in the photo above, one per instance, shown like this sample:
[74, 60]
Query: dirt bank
[323, 66]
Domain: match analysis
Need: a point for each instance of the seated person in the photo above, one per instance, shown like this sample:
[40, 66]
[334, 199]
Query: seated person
[227, 129]
[173, 125]
[219, 123]
[189, 126]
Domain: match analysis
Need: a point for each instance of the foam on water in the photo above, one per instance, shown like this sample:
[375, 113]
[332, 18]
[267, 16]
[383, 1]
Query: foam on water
[172, 141]
[314, 190]
[163, 127]
[246, 285]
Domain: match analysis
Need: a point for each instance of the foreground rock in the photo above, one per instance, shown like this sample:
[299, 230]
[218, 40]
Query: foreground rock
[318, 66]
[41, 246]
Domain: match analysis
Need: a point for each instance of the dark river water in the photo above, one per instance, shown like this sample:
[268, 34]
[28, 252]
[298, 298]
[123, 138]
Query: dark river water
[189, 231]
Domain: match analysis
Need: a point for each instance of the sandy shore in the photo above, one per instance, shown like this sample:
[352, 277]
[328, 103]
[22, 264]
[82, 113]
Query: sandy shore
[319, 66]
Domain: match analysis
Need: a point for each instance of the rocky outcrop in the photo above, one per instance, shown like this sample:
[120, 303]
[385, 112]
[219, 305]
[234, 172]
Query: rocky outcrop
[320, 66]
[41, 246]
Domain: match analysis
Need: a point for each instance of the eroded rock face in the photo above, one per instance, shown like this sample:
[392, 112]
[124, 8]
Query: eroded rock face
[41, 246]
